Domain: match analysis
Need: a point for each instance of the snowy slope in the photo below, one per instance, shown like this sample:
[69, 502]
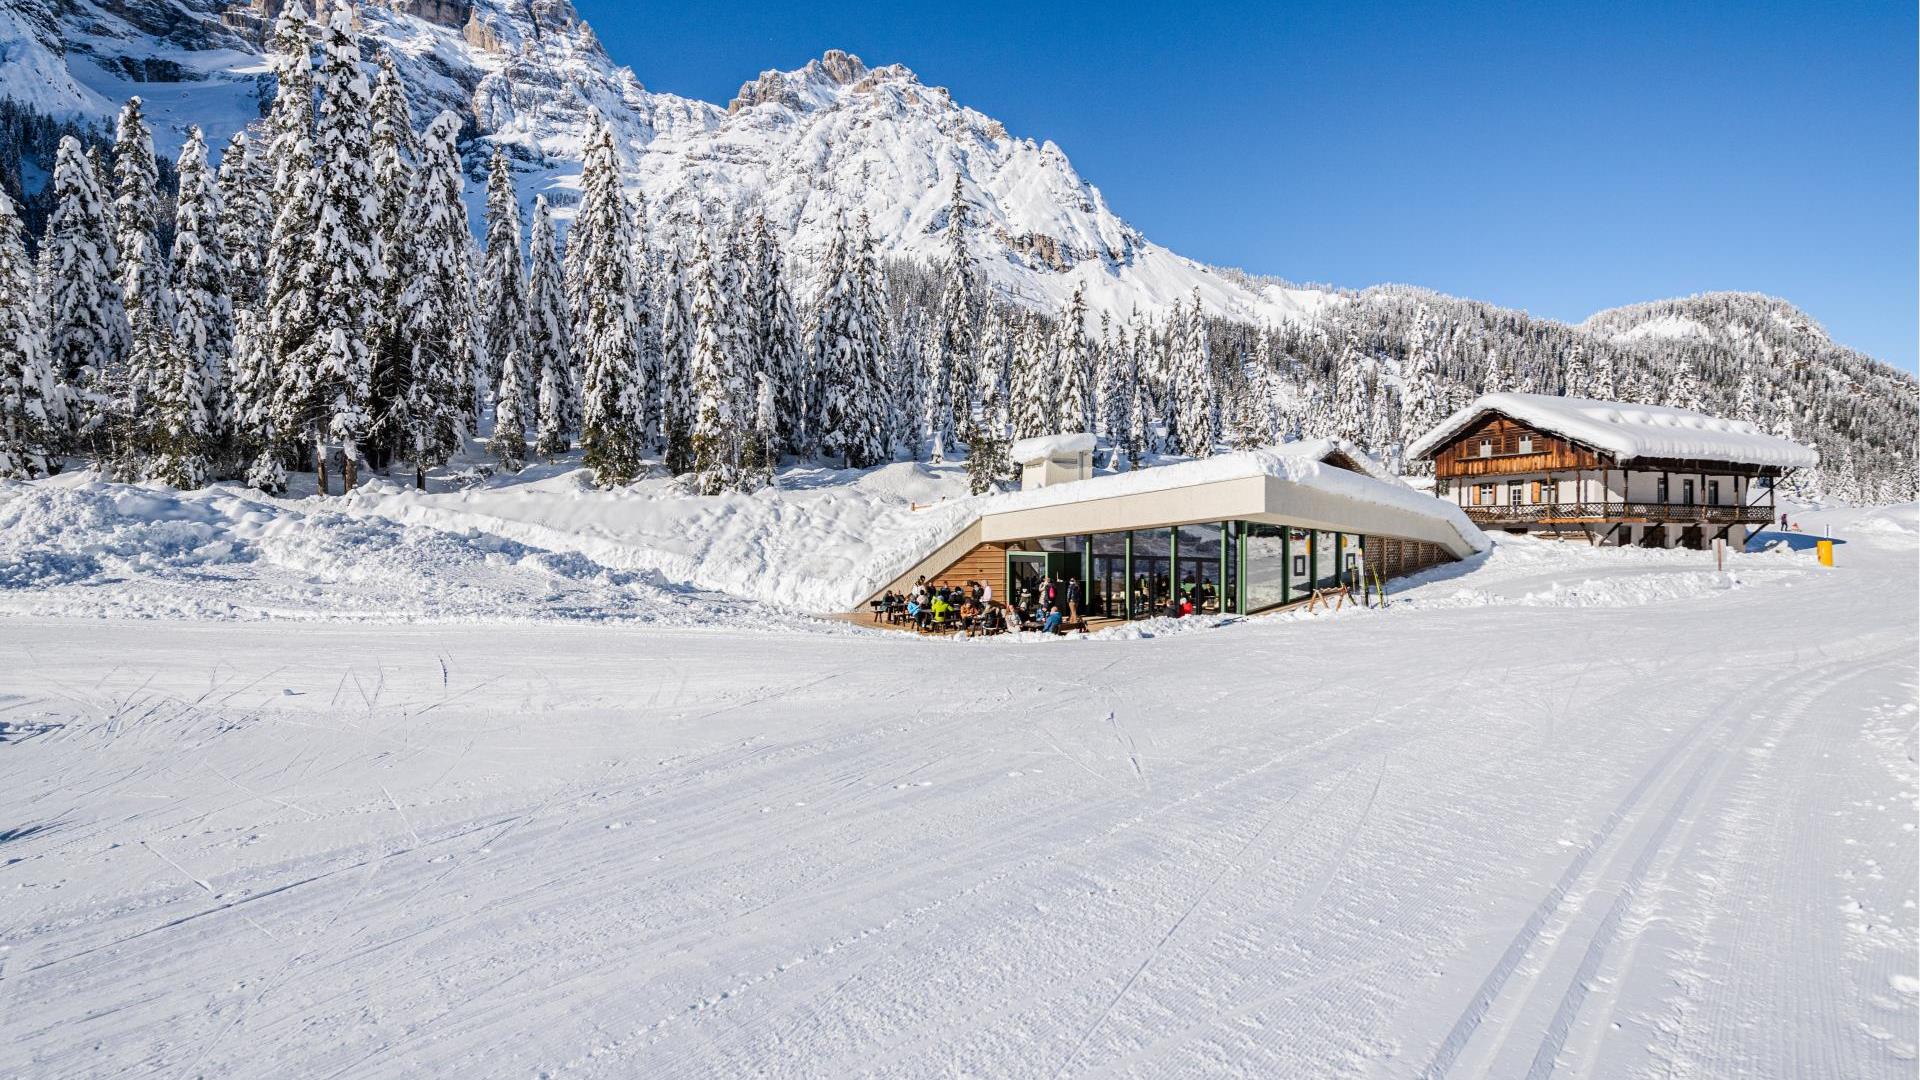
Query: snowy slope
[808, 146]
[1671, 834]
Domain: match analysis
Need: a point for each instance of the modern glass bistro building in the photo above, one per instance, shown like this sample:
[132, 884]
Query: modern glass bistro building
[1240, 533]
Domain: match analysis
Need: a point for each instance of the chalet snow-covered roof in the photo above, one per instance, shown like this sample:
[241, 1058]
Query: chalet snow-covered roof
[1628, 431]
[1042, 447]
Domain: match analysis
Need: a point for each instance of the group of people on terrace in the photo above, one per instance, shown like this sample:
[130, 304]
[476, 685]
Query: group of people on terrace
[932, 608]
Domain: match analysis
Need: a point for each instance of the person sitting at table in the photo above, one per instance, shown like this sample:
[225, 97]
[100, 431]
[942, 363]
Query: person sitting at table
[1055, 618]
[941, 609]
[992, 620]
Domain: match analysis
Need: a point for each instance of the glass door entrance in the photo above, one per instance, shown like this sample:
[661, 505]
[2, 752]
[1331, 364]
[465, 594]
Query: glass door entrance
[1107, 591]
[1152, 572]
[1025, 572]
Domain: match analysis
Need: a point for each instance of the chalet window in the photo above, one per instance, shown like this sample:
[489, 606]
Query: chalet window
[1526, 444]
[1513, 493]
[1713, 492]
[1686, 492]
[1660, 491]
[1486, 447]
[1484, 496]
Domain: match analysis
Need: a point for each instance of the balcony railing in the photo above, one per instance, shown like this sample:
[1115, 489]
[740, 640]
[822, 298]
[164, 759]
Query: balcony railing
[1576, 512]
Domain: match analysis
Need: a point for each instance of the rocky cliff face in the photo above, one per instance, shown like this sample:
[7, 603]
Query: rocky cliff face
[831, 140]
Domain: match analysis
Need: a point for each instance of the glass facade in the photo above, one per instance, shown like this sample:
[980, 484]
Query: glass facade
[1197, 566]
[1265, 557]
[1299, 563]
[1325, 559]
[1152, 572]
[1107, 583]
[1224, 567]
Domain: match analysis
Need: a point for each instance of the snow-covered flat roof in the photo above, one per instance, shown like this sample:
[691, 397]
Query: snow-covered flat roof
[1629, 431]
[1375, 501]
[1043, 447]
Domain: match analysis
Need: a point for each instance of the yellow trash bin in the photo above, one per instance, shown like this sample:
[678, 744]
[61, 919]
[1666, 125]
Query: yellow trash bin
[1825, 548]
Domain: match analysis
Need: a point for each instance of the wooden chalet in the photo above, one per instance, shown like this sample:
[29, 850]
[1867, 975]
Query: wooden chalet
[1607, 472]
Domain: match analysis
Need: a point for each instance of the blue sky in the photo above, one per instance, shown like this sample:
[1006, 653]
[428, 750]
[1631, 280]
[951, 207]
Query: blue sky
[1557, 158]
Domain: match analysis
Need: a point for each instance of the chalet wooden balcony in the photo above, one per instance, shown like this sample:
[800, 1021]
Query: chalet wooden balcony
[1653, 513]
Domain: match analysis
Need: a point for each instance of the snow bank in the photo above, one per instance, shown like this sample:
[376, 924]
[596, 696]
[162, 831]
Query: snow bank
[1629, 432]
[822, 541]
[74, 548]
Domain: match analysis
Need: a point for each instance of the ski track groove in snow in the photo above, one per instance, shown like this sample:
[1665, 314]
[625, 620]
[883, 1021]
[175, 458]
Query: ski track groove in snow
[607, 852]
[1550, 926]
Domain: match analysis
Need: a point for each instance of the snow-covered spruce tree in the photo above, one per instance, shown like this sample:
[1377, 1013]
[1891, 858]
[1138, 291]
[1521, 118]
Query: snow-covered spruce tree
[1165, 362]
[1683, 387]
[1075, 365]
[345, 254]
[503, 282]
[246, 218]
[136, 185]
[1245, 426]
[1197, 396]
[610, 431]
[88, 334]
[1423, 377]
[848, 356]
[509, 442]
[1637, 386]
[1267, 386]
[959, 316]
[27, 436]
[130, 418]
[1034, 402]
[716, 451]
[733, 249]
[1352, 399]
[781, 353]
[1748, 403]
[1115, 395]
[286, 324]
[761, 451]
[441, 328]
[190, 421]
[990, 446]
[1496, 379]
[580, 241]
[879, 347]
[396, 155]
[548, 341]
[1139, 420]
[250, 394]
[1601, 383]
[647, 401]
[1577, 379]
[676, 361]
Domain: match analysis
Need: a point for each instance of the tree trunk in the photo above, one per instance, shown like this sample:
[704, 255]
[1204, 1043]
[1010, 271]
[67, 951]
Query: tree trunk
[320, 465]
[349, 469]
[420, 476]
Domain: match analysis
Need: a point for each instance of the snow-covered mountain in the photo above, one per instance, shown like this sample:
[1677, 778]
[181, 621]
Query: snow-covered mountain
[832, 138]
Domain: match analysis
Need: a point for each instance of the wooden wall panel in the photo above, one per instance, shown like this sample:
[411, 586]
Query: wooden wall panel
[987, 562]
